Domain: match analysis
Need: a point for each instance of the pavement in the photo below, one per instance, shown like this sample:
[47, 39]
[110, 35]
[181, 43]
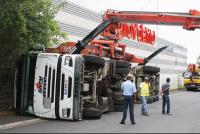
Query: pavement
[185, 119]
[12, 119]
[15, 120]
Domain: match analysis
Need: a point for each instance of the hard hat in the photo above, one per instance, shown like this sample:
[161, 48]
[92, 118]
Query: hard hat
[146, 78]
[129, 76]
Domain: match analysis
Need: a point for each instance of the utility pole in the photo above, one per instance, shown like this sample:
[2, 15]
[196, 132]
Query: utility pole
[157, 24]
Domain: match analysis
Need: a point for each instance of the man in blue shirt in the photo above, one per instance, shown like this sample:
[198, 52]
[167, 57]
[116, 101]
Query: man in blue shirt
[128, 88]
[165, 96]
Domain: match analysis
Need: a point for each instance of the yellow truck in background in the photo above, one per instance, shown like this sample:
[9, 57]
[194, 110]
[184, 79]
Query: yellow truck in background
[192, 77]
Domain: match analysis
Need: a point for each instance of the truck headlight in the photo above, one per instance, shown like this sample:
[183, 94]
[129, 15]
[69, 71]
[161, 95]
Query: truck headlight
[64, 113]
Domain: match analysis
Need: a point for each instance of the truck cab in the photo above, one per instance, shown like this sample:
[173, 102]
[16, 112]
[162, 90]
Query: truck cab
[52, 85]
[64, 86]
[57, 86]
[192, 77]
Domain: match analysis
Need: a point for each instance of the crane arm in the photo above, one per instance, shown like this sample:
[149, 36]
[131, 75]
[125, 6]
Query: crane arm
[189, 21]
[111, 27]
[147, 59]
[80, 45]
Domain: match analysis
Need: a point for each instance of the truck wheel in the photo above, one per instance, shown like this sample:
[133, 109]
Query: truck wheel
[111, 105]
[149, 100]
[92, 113]
[157, 98]
[122, 71]
[154, 98]
[151, 69]
[119, 101]
[118, 108]
[94, 60]
[122, 64]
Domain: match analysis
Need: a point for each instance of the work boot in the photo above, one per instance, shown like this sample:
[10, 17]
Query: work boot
[122, 122]
[133, 123]
[146, 114]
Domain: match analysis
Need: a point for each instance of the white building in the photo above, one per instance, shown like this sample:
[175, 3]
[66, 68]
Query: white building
[78, 21]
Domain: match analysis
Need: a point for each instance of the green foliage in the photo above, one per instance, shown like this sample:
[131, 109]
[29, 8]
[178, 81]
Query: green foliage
[27, 24]
[181, 87]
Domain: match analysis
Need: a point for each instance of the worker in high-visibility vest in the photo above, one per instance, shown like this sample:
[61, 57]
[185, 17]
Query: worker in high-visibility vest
[144, 93]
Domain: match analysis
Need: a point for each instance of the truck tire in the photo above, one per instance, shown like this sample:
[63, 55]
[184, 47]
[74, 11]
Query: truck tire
[151, 69]
[92, 113]
[157, 98]
[121, 71]
[111, 105]
[149, 100]
[94, 61]
[122, 64]
[118, 108]
[154, 98]
[119, 101]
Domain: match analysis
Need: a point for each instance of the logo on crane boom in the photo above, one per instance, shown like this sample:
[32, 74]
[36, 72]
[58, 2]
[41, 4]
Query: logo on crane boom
[131, 31]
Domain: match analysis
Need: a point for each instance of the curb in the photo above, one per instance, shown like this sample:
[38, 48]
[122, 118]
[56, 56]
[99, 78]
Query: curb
[7, 113]
[19, 123]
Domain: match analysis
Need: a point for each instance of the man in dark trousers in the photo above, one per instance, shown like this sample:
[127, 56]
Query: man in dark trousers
[165, 97]
[128, 88]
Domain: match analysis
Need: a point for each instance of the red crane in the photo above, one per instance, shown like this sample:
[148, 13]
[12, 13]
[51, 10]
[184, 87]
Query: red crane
[189, 21]
[116, 25]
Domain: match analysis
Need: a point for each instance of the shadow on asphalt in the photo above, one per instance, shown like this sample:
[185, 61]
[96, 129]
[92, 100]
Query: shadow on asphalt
[194, 90]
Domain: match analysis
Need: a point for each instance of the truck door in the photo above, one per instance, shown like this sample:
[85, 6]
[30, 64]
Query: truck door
[65, 90]
[70, 87]
[45, 85]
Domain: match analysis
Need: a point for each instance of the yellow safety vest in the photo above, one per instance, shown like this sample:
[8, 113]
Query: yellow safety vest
[144, 89]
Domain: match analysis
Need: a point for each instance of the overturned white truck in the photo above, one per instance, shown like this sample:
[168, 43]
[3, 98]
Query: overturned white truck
[74, 86]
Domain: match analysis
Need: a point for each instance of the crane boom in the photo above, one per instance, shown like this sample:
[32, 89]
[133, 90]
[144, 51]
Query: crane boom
[80, 45]
[189, 21]
[112, 31]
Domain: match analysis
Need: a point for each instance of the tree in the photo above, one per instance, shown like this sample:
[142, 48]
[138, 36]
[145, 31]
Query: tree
[25, 25]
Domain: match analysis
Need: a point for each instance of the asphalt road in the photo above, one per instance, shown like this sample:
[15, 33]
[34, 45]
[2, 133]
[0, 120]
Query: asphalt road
[185, 107]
